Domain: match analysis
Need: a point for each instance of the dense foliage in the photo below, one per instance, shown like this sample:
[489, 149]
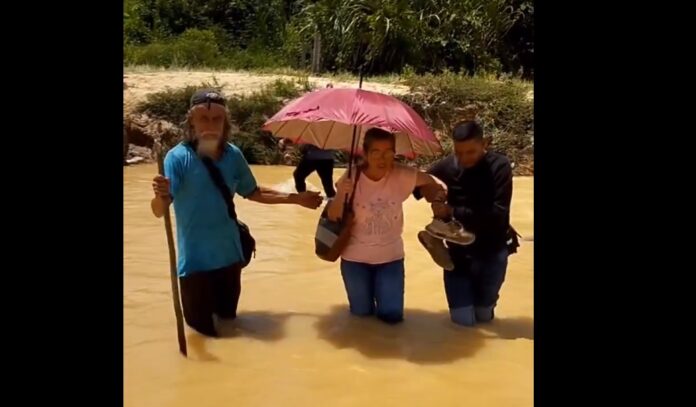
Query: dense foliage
[381, 36]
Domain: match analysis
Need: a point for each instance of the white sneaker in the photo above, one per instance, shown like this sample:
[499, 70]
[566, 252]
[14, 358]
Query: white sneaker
[451, 231]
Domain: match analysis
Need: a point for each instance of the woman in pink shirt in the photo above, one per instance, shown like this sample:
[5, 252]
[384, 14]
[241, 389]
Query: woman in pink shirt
[372, 264]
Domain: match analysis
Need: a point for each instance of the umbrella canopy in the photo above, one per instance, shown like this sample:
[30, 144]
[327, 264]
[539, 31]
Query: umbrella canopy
[326, 118]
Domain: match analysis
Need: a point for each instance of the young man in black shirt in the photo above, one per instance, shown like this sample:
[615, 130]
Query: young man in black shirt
[479, 191]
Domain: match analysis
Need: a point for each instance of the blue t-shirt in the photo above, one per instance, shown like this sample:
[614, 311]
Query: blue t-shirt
[207, 239]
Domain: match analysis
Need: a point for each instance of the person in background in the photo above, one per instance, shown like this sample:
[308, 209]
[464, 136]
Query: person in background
[315, 159]
[312, 159]
[479, 192]
[285, 147]
[208, 240]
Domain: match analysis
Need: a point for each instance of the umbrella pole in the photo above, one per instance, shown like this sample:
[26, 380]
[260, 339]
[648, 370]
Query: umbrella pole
[172, 269]
[353, 143]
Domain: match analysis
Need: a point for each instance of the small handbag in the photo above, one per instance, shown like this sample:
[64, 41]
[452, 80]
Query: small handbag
[332, 237]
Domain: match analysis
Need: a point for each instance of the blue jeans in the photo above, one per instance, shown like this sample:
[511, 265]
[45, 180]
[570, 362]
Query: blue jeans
[472, 287]
[375, 289]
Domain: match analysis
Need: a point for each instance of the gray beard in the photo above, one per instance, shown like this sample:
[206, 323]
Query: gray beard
[208, 147]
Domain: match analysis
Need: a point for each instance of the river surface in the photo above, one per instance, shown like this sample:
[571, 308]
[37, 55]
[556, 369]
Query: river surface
[294, 343]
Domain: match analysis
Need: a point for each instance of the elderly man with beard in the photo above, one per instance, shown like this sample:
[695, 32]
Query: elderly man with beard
[210, 255]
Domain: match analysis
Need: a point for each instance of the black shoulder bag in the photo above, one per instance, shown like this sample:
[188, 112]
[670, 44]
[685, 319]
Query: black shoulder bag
[332, 237]
[248, 242]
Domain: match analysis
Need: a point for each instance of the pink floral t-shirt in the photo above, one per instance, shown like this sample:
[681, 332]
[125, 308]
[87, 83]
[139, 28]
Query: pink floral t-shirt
[379, 217]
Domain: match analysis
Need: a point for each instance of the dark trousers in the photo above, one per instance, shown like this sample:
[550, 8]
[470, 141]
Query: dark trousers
[476, 281]
[205, 293]
[323, 167]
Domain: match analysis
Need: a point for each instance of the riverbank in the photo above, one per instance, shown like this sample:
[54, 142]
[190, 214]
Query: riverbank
[139, 82]
[505, 107]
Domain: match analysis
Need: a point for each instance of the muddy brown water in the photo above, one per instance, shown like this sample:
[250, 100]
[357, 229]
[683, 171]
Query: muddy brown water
[294, 343]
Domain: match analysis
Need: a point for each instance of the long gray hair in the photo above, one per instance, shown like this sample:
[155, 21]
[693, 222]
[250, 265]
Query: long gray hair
[190, 135]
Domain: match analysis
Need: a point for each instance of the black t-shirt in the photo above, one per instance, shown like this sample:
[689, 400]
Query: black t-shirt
[312, 152]
[481, 198]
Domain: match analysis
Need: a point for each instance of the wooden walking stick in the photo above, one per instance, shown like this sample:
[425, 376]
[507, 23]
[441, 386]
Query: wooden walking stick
[159, 150]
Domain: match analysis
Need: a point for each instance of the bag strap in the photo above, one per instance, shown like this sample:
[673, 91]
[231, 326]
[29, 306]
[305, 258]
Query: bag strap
[348, 203]
[219, 182]
[355, 186]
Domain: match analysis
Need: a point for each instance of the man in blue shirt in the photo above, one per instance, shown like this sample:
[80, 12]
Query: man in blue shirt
[209, 248]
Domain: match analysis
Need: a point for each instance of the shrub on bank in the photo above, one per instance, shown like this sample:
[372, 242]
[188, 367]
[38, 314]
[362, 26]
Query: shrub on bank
[194, 48]
[504, 107]
[248, 113]
[200, 49]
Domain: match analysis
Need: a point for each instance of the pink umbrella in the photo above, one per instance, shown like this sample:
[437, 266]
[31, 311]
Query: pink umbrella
[326, 118]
